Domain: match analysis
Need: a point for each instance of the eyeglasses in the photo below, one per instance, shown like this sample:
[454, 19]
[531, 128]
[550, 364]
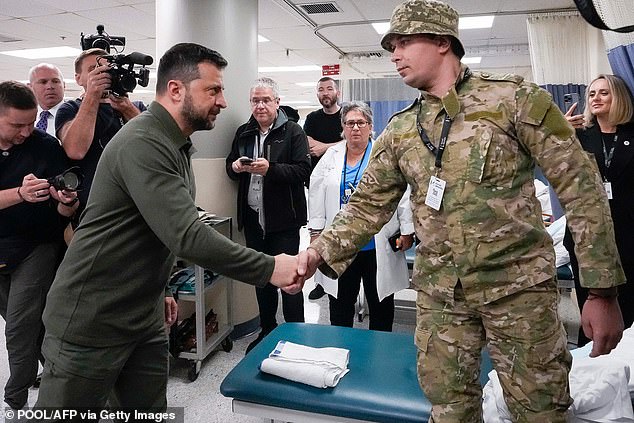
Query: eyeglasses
[360, 123]
[263, 101]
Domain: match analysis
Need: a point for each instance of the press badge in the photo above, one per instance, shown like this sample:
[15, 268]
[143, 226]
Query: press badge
[435, 192]
[608, 189]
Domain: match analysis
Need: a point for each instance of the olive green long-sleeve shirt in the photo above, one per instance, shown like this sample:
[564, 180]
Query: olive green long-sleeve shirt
[488, 232]
[141, 214]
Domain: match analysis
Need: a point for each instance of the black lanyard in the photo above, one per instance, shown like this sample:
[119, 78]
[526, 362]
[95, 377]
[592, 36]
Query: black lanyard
[438, 152]
[607, 157]
[444, 133]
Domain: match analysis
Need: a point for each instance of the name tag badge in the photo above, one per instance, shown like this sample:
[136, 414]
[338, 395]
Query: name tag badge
[608, 189]
[435, 192]
[347, 192]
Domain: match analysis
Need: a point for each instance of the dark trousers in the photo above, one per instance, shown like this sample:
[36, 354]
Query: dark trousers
[273, 244]
[342, 308]
[132, 375]
[22, 298]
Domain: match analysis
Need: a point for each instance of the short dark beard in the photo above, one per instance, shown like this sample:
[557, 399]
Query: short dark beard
[192, 119]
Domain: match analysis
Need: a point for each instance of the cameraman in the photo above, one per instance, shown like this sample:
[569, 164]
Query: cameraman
[85, 125]
[33, 215]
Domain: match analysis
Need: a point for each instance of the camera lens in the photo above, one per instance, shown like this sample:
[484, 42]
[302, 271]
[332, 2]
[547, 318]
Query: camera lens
[70, 181]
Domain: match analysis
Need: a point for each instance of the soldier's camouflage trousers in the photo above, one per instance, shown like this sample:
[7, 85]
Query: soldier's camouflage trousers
[527, 345]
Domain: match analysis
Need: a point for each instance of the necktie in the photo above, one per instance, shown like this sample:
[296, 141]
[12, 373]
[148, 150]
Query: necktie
[43, 122]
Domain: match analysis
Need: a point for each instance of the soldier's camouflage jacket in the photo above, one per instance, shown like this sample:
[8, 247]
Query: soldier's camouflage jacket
[489, 232]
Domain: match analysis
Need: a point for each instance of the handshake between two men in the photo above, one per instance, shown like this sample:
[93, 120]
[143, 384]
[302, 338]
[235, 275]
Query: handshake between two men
[291, 272]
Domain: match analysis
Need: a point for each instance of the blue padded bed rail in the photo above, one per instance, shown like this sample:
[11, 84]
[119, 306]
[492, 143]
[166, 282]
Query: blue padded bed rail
[381, 386]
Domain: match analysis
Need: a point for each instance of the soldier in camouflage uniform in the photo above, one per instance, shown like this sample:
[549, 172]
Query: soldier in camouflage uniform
[484, 269]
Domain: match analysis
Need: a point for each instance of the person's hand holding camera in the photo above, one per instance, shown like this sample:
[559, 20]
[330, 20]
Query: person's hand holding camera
[123, 105]
[98, 81]
[34, 189]
[67, 201]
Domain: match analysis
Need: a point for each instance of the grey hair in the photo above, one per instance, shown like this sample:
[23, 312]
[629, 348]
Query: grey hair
[265, 82]
[44, 65]
[356, 105]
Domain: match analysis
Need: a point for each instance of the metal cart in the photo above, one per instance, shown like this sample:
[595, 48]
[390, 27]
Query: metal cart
[219, 295]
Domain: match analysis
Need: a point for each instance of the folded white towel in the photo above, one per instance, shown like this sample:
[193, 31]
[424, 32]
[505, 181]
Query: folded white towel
[319, 367]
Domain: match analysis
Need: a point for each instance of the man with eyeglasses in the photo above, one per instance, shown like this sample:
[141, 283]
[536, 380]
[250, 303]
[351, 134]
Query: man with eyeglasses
[270, 160]
[485, 267]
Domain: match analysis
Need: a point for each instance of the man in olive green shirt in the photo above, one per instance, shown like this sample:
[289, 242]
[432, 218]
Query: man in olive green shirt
[106, 312]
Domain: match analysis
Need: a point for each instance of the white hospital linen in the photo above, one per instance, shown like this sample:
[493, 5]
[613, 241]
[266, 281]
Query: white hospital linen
[319, 367]
[601, 387]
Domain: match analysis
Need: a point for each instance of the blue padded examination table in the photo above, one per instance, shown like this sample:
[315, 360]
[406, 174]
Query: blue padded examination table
[381, 386]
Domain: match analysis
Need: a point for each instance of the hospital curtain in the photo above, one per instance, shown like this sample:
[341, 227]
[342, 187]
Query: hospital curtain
[385, 96]
[565, 49]
[622, 62]
[559, 90]
[620, 45]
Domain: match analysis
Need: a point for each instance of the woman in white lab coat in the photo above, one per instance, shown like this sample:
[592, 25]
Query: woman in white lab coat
[383, 270]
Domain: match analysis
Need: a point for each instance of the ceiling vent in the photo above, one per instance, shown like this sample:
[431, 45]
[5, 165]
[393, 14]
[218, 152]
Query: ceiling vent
[319, 8]
[377, 54]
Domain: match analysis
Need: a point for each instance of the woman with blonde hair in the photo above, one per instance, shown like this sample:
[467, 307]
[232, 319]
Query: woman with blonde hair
[606, 130]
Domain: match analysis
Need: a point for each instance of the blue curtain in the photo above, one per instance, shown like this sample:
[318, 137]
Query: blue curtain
[383, 110]
[558, 91]
[622, 62]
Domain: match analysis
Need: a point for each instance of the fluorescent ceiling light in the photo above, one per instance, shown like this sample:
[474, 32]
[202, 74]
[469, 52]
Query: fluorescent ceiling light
[476, 22]
[44, 53]
[262, 39]
[305, 68]
[471, 60]
[381, 27]
[66, 80]
[295, 101]
[472, 22]
[306, 84]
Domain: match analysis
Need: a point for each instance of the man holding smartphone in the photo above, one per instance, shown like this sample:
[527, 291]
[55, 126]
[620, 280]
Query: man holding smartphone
[270, 160]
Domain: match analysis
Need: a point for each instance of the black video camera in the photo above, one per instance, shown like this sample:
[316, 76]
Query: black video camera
[101, 40]
[68, 180]
[124, 78]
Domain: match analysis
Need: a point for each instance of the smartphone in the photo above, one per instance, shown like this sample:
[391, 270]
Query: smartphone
[246, 161]
[393, 241]
[572, 98]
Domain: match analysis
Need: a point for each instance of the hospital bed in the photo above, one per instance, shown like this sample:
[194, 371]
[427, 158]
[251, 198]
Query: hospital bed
[381, 386]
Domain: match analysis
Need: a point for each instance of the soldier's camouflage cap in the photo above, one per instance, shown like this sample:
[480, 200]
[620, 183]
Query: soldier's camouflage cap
[423, 17]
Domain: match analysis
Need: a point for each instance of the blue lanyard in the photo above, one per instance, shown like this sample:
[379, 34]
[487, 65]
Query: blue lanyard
[353, 186]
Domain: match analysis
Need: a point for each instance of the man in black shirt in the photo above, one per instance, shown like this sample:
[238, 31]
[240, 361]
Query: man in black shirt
[323, 129]
[323, 126]
[33, 216]
[85, 125]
